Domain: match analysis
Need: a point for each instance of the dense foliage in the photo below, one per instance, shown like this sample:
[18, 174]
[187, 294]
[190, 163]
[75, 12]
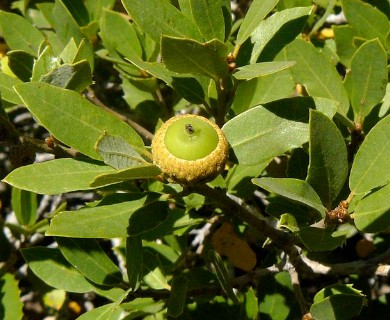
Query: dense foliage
[297, 224]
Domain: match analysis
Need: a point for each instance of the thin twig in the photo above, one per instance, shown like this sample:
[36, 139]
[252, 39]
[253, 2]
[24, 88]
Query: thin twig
[143, 132]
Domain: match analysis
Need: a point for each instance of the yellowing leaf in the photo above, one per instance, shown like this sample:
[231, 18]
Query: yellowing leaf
[226, 243]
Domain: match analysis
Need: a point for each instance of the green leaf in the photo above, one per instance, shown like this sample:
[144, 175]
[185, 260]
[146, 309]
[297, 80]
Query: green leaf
[11, 307]
[318, 239]
[372, 213]
[103, 221]
[209, 19]
[276, 298]
[21, 63]
[370, 168]
[294, 190]
[337, 302]
[72, 119]
[57, 176]
[177, 299]
[106, 312]
[147, 171]
[269, 132]
[251, 304]
[134, 261]
[367, 20]
[344, 38]
[45, 63]
[24, 204]
[367, 79]
[160, 17]
[51, 267]
[89, 259]
[96, 7]
[275, 32]
[262, 90]
[67, 28]
[189, 56]
[315, 71]
[6, 88]
[153, 275]
[222, 274]
[19, 33]
[76, 77]
[125, 43]
[328, 166]
[238, 180]
[147, 218]
[261, 69]
[117, 153]
[256, 13]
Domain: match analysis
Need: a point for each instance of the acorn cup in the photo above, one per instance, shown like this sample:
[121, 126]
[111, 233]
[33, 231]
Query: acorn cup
[190, 149]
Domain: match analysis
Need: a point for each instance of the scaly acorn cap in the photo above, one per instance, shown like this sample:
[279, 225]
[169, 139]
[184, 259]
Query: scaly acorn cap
[189, 149]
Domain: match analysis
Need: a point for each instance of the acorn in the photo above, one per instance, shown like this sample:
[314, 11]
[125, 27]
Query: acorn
[190, 149]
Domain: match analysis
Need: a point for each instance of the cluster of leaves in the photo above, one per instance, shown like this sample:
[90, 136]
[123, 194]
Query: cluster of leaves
[306, 118]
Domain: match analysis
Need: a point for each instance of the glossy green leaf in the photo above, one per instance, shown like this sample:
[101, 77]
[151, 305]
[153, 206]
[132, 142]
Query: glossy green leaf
[76, 77]
[6, 88]
[293, 190]
[209, 19]
[261, 69]
[52, 268]
[11, 307]
[153, 275]
[314, 70]
[24, 204]
[328, 166]
[147, 171]
[21, 63]
[134, 261]
[106, 312]
[19, 33]
[372, 213]
[273, 33]
[189, 56]
[177, 299]
[160, 17]
[89, 259]
[269, 132]
[370, 168]
[72, 119]
[117, 153]
[256, 13]
[262, 90]
[103, 221]
[147, 218]
[336, 302]
[318, 239]
[367, 20]
[222, 274]
[57, 176]
[367, 79]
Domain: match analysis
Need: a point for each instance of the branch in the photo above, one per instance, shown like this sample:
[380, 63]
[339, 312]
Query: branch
[287, 243]
[147, 136]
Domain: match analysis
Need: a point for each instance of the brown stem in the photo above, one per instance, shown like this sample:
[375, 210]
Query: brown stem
[144, 133]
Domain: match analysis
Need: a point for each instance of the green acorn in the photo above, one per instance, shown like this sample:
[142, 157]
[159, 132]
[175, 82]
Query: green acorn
[189, 149]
